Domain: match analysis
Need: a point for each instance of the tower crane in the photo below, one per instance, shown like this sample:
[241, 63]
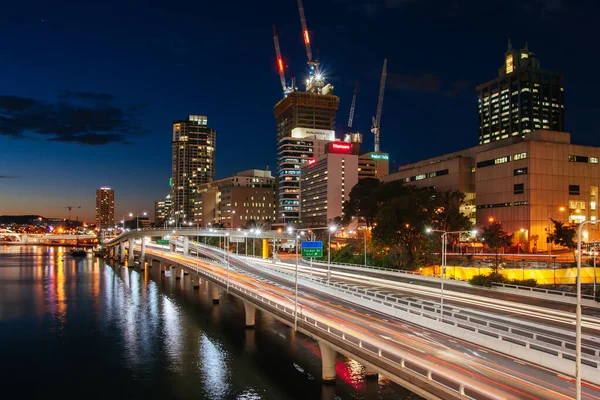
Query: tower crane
[351, 117]
[315, 81]
[376, 127]
[70, 208]
[286, 89]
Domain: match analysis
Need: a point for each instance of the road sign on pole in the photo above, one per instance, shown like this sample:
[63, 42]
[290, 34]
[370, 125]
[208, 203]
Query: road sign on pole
[312, 249]
[162, 241]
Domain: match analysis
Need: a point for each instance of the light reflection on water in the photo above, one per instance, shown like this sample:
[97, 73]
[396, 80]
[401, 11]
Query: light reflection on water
[128, 333]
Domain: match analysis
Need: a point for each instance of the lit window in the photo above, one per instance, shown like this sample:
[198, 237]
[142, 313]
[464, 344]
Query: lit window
[520, 156]
[593, 160]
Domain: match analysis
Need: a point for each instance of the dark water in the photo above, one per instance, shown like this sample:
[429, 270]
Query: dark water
[72, 329]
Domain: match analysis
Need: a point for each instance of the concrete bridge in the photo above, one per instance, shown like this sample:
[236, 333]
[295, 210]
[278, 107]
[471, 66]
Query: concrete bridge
[421, 349]
[10, 237]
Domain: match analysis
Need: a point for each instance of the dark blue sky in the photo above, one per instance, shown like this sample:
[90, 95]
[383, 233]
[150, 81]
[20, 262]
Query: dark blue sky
[88, 90]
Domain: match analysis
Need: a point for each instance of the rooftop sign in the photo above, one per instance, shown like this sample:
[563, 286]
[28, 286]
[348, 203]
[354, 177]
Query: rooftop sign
[380, 156]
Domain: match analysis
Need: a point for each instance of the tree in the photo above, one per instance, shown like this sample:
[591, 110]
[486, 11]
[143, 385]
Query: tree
[496, 239]
[563, 235]
[447, 216]
[362, 201]
[401, 221]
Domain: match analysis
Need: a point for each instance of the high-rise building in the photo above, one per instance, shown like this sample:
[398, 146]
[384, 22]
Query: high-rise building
[236, 200]
[373, 165]
[105, 208]
[326, 183]
[523, 98]
[305, 124]
[194, 145]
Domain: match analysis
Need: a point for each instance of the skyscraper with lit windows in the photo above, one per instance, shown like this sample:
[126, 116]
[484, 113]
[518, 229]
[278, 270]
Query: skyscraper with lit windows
[194, 145]
[105, 208]
[522, 99]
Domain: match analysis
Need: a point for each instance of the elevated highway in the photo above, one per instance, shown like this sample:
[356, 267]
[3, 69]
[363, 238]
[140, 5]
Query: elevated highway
[424, 357]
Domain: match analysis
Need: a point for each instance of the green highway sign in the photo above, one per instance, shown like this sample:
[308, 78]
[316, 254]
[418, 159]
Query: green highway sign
[312, 249]
[162, 241]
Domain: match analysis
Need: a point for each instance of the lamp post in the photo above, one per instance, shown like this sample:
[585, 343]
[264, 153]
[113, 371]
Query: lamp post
[578, 315]
[227, 258]
[365, 237]
[246, 243]
[137, 219]
[331, 230]
[296, 290]
[444, 255]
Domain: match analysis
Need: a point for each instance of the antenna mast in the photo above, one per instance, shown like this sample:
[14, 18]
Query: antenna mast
[376, 127]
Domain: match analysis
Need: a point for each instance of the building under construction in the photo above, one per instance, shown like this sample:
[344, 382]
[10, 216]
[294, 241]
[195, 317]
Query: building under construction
[305, 124]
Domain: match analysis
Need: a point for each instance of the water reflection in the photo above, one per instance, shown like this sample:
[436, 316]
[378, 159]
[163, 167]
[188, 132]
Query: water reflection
[135, 333]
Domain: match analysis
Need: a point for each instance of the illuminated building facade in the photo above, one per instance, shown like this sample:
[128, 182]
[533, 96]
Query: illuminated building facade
[236, 200]
[520, 182]
[326, 183]
[105, 208]
[305, 124]
[523, 98]
[194, 145]
[373, 165]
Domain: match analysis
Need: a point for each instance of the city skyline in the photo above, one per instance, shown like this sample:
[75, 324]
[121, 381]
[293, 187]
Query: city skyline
[133, 77]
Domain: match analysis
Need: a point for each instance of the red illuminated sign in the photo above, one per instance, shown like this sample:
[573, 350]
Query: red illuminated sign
[340, 147]
[311, 161]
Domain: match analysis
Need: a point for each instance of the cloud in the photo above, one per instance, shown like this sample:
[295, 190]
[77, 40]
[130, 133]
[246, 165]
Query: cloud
[76, 117]
[8, 177]
[427, 83]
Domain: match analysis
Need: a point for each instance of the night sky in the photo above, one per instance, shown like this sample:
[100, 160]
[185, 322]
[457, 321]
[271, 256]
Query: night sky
[89, 90]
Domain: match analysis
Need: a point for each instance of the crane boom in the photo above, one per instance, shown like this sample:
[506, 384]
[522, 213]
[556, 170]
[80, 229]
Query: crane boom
[351, 117]
[377, 119]
[305, 31]
[279, 59]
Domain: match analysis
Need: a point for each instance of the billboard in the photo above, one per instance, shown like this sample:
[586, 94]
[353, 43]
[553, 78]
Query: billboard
[340, 148]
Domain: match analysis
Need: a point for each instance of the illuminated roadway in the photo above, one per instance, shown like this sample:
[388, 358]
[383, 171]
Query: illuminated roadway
[491, 373]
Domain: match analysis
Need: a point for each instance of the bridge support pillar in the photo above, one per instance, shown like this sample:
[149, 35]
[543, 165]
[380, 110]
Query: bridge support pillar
[214, 292]
[122, 252]
[186, 246]
[370, 373]
[250, 314]
[143, 252]
[172, 247]
[327, 362]
[163, 268]
[130, 251]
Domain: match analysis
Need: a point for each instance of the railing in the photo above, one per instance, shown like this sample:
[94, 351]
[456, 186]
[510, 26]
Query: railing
[405, 362]
[542, 290]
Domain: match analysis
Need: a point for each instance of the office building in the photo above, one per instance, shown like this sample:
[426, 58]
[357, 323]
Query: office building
[305, 123]
[373, 165]
[105, 208]
[523, 98]
[194, 145]
[326, 183]
[236, 200]
[520, 182]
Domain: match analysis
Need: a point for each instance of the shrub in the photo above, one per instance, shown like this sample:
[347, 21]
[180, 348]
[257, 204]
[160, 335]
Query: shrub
[481, 280]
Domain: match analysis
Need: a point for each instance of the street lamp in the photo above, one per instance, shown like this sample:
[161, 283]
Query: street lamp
[290, 231]
[444, 255]
[227, 259]
[578, 315]
[331, 230]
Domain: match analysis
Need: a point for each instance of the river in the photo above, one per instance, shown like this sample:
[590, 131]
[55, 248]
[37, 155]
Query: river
[83, 328]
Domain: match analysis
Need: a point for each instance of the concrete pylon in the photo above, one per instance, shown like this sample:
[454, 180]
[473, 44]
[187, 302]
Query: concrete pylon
[130, 257]
[327, 362]
[143, 252]
[163, 268]
[214, 292]
[173, 247]
[186, 246]
[250, 314]
[370, 373]
[122, 252]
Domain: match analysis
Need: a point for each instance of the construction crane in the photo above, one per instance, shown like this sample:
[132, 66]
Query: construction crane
[351, 117]
[315, 81]
[70, 208]
[376, 127]
[286, 89]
